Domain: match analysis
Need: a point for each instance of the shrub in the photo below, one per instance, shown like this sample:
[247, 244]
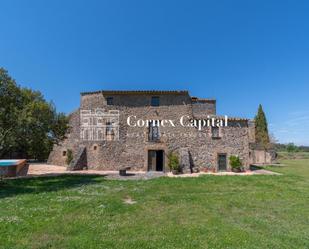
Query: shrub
[173, 162]
[69, 156]
[235, 163]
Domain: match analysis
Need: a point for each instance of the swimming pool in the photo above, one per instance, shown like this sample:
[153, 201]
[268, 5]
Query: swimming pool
[11, 168]
[8, 162]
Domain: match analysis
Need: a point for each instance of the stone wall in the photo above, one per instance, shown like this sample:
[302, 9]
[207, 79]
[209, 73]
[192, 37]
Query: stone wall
[79, 161]
[260, 157]
[133, 145]
[251, 125]
[72, 142]
[203, 107]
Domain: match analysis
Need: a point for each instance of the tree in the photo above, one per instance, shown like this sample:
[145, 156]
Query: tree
[10, 104]
[272, 139]
[29, 125]
[261, 128]
[291, 147]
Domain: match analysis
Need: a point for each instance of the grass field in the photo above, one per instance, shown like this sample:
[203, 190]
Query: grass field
[283, 155]
[206, 212]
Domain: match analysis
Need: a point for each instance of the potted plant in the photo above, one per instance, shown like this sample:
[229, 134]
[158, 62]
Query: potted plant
[173, 163]
[236, 163]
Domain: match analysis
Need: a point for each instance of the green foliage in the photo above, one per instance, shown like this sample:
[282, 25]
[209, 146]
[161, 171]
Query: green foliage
[291, 147]
[235, 162]
[284, 155]
[10, 104]
[29, 126]
[303, 148]
[261, 128]
[69, 157]
[173, 162]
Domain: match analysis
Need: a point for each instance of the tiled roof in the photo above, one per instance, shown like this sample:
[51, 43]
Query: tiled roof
[152, 92]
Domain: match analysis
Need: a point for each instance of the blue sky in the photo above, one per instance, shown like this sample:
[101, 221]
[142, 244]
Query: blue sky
[240, 52]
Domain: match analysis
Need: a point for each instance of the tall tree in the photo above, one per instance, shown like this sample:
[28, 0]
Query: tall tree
[10, 104]
[261, 128]
[28, 124]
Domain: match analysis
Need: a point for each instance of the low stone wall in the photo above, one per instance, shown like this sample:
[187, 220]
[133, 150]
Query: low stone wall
[79, 161]
[261, 157]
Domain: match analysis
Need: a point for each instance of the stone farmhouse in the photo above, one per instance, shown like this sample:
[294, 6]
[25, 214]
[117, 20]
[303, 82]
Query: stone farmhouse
[138, 129]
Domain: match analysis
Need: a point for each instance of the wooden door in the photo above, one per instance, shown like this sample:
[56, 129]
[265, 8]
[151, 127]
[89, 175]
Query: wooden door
[152, 162]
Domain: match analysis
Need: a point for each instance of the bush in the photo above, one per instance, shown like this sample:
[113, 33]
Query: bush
[235, 163]
[69, 156]
[173, 162]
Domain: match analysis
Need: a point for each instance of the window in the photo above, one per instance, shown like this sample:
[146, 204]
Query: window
[215, 132]
[155, 101]
[95, 147]
[154, 133]
[109, 100]
[64, 153]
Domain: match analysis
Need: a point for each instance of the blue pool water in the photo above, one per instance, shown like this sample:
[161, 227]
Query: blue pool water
[8, 162]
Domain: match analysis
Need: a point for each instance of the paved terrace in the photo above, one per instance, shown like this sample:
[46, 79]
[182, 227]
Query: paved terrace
[36, 170]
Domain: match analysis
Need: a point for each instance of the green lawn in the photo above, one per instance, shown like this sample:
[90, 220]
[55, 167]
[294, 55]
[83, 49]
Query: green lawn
[283, 155]
[206, 212]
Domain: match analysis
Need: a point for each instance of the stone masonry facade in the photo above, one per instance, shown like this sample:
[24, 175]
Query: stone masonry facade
[132, 147]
